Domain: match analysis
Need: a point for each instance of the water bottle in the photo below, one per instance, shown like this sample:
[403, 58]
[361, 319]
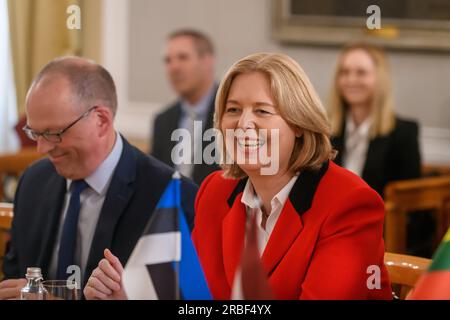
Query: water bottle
[34, 290]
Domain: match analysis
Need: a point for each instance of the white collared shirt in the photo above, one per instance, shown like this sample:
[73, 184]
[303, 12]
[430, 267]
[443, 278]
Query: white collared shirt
[250, 200]
[189, 114]
[91, 201]
[356, 145]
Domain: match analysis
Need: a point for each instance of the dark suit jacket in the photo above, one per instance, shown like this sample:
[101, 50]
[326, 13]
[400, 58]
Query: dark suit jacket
[165, 123]
[395, 156]
[137, 184]
[329, 232]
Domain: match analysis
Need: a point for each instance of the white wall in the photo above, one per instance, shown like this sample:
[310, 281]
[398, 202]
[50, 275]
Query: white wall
[133, 40]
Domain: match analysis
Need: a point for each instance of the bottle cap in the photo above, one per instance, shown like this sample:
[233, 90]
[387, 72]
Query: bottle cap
[34, 272]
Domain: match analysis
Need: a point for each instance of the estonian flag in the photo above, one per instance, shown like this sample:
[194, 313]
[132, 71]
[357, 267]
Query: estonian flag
[164, 264]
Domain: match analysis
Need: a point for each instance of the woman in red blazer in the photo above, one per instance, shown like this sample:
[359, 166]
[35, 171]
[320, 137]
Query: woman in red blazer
[319, 226]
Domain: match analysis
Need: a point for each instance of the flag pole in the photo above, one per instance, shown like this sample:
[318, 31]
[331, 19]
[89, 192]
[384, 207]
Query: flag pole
[177, 176]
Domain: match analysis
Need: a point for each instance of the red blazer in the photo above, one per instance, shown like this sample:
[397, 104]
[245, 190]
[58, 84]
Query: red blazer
[328, 234]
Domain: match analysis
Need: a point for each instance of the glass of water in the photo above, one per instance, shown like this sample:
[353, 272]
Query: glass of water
[61, 290]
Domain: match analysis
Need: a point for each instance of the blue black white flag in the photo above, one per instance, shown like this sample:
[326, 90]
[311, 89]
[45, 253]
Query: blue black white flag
[164, 264]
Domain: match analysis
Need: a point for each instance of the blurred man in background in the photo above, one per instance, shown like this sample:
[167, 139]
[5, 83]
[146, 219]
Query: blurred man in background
[189, 61]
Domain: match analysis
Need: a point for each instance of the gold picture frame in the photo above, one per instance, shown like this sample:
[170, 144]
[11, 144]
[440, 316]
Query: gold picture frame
[405, 24]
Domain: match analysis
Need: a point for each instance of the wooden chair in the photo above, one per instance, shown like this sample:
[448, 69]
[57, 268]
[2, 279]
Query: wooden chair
[14, 164]
[403, 197]
[404, 271]
[434, 170]
[6, 216]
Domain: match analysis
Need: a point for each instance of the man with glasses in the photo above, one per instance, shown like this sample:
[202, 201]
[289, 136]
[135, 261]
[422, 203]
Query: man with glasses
[53, 137]
[94, 191]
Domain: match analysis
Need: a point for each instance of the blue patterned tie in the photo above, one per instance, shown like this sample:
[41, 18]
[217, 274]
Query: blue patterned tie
[67, 245]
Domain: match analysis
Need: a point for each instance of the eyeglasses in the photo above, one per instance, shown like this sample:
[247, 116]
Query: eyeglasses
[53, 137]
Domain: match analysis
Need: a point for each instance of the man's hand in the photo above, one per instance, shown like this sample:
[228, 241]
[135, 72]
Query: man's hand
[105, 282]
[10, 289]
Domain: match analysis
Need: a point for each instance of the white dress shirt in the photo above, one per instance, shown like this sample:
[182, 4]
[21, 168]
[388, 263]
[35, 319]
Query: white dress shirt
[252, 205]
[91, 201]
[277, 203]
[189, 114]
[356, 145]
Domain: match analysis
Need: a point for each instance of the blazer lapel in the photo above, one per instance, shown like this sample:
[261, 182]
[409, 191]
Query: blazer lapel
[338, 143]
[287, 229]
[290, 224]
[210, 119]
[116, 200]
[172, 125]
[51, 210]
[233, 232]
[374, 170]
[201, 170]
[375, 155]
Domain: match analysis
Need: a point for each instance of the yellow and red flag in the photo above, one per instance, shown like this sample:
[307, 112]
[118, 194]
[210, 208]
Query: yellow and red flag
[435, 283]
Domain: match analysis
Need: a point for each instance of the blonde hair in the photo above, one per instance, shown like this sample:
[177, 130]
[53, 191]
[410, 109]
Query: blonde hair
[298, 104]
[382, 111]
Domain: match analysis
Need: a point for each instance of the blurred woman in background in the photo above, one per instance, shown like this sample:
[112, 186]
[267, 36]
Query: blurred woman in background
[370, 139]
